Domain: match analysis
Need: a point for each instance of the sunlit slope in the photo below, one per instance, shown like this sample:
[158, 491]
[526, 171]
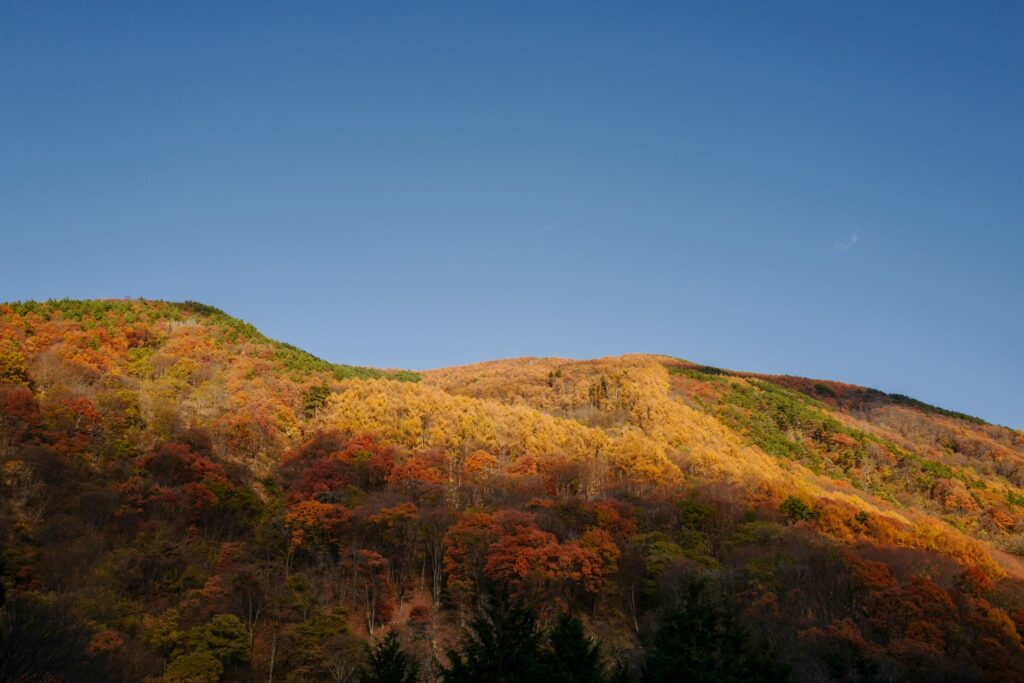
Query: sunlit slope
[142, 371]
[769, 439]
[627, 399]
[661, 448]
[148, 369]
[951, 466]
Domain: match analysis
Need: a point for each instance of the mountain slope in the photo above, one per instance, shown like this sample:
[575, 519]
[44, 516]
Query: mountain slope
[175, 365]
[875, 451]
[169, 473]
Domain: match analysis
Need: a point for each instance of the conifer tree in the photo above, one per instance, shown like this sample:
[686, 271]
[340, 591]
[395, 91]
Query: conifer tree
[502, 645]
[571, 657]
[703, 641]
[388, 663]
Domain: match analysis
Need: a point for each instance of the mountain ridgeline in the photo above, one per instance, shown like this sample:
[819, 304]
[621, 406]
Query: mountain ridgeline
[185, 499]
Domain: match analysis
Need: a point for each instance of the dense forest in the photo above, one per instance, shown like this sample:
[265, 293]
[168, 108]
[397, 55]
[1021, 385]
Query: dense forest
[184, 499]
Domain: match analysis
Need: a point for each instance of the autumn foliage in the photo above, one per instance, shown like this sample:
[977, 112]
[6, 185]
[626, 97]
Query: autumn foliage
[182, 498]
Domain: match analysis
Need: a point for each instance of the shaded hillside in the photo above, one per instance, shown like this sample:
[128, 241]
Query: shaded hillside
[184, 499]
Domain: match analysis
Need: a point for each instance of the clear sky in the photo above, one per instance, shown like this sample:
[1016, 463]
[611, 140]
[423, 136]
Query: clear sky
[825, 189]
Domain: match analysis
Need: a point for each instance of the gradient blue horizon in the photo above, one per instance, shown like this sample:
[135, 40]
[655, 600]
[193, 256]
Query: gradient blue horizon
[820, 189]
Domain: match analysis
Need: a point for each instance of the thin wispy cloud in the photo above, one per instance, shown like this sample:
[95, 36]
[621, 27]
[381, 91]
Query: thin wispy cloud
[848, 244]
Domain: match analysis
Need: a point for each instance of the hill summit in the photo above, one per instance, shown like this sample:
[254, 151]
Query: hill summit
[183, 498]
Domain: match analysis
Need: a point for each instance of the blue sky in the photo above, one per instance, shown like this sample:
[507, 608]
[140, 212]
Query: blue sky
[825, 189]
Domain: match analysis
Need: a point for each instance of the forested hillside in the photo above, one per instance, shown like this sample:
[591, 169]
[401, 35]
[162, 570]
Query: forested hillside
[184, 499]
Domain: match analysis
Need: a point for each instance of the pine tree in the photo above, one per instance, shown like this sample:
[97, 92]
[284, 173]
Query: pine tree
[704, 642]
[571, 657]
[388, 663]
[502, 645]
[315, 399]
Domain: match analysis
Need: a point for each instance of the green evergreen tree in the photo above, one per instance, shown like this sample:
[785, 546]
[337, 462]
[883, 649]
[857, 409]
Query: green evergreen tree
[197, 667]
[502, 645]
[315, 399]
[224, 637]
[795, 509]
[704, 642]
[388, 663]
[571, 657]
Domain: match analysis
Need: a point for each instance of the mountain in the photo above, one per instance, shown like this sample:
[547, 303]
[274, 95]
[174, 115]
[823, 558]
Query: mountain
[183, 498]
